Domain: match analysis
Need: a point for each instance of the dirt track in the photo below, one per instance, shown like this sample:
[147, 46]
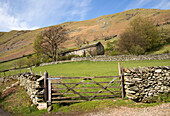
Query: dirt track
[160, 110]
[3, 113]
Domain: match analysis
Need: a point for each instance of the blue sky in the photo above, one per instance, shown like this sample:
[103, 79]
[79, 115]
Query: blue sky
[33, 14]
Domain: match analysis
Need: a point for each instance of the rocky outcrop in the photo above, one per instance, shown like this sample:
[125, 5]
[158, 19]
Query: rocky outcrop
[142, 83]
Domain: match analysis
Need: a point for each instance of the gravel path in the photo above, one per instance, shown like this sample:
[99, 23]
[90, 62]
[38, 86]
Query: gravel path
[160, 110]
[3, 113]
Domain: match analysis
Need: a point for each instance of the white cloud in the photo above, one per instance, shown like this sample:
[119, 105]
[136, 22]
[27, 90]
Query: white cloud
[31, 14]
[9, 22]
[157, 4]
[137, 4]
[81, 8]
[164, 4]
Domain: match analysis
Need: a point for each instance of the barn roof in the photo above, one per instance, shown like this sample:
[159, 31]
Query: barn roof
[84, 47]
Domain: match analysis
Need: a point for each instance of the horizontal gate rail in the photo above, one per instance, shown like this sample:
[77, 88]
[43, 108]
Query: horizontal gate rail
[72, 101]
[59, 98]
[85, 83]
[82, 92]
[86, 88]
[85, 77]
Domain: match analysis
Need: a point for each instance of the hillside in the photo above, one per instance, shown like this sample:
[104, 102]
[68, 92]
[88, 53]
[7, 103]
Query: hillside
[18, 43]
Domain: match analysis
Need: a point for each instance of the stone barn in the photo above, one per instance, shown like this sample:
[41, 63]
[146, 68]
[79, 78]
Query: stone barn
[89, 50]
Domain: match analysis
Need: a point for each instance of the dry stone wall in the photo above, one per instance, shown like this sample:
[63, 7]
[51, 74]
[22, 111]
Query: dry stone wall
[123, 57]
[34, 85]
[114, 58]
[142, 83]
[57, 62]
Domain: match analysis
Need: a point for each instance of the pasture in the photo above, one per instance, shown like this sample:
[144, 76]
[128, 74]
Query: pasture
[89, 68]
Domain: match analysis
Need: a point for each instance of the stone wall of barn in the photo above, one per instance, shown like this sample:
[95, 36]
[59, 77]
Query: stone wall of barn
[81, 52]
[143, 83]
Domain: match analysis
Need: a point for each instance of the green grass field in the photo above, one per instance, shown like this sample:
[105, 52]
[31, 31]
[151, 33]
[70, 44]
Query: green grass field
[88, 68]
[10, 64]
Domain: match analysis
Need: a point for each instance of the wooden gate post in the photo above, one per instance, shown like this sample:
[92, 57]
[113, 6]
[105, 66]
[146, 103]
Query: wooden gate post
[123, 85]
[49, 91]
[45, 86]
[122, 80]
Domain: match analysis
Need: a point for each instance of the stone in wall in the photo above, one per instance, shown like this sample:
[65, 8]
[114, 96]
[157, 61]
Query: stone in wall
[143, 83]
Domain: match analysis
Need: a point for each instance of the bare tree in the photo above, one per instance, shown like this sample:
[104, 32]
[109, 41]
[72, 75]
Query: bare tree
[49, 41]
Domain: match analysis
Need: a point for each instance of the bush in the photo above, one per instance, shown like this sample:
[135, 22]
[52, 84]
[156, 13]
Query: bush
[165, 35]
[110, 49]
[111, 53]
[165, 52]
[161, 98]
[46, 59]
[20, 63]
[137, 50]
[141, 36]
[37, 63]
[33, 61]
[29, 62]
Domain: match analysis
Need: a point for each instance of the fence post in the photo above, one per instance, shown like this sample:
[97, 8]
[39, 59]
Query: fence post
[40, 73]
[123, 86]
[122, 80]
[49, 92]
[45, 86]
[32, 71]
[4, 74]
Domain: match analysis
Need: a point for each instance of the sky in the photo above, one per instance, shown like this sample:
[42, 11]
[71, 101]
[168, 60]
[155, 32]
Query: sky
[34, 14]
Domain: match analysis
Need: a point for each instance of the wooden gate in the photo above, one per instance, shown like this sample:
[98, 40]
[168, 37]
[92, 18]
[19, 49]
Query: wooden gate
[80, 89]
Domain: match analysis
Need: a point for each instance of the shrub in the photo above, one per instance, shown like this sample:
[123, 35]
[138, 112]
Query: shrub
[33, 61]
[137, 50]
[20, 63]
[161, 98]
[110, 49]
[165, 52]
[142, 33]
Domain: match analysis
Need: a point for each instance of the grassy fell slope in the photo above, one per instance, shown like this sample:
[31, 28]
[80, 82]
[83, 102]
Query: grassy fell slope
[17, 43]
